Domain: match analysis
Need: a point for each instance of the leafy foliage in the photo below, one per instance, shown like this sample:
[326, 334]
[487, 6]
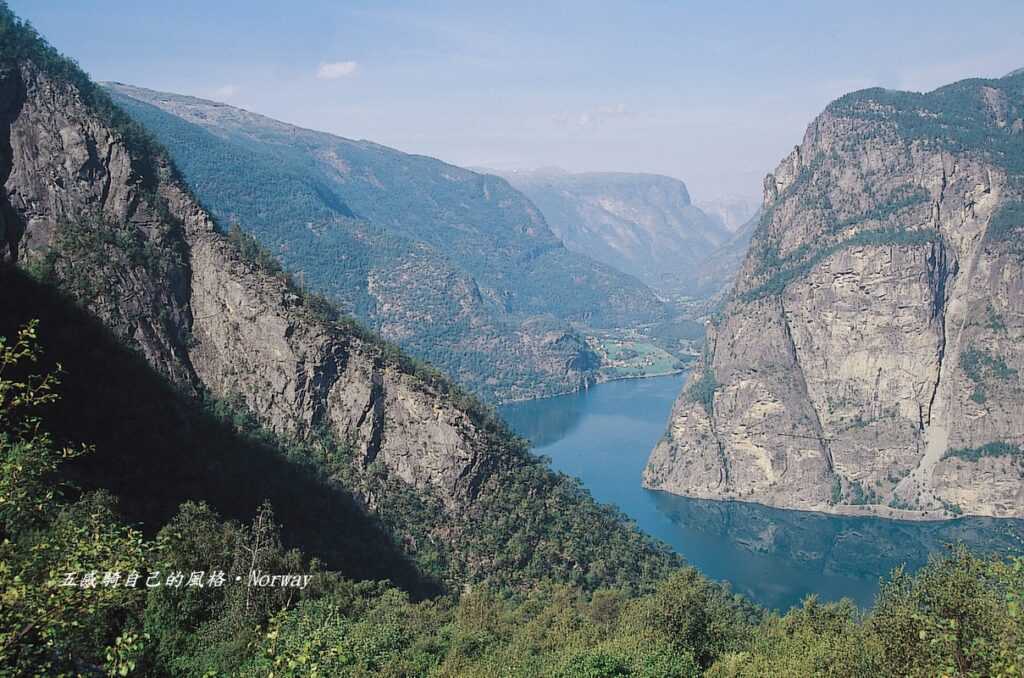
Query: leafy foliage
[30, 458]
[993, 449]
[955, 617]
[42, 621]
[528, 523]
[959, 616]
[981, 368]
[703, 390]
[610, 612]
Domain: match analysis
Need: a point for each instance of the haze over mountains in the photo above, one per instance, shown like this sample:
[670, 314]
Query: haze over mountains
[714, 276]
[211, 383]
[733, 212]
[455, 266]
[643, 224]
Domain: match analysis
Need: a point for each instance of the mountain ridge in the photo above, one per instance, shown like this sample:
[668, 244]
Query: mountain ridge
[457, 268]
[94, 208]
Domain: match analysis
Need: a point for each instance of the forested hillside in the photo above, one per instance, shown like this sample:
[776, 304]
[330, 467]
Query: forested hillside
[455, 267]
[959, 616]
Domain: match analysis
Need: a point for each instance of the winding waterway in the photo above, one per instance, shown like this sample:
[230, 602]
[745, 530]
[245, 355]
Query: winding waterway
[774, 557]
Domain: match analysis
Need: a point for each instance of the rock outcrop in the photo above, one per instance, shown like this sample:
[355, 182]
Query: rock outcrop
[127, 241]
[870, 359]
[203, 372]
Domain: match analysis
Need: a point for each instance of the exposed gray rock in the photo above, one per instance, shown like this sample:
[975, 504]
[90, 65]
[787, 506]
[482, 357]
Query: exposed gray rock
[458, 268]
[877, 325]
[133, 246]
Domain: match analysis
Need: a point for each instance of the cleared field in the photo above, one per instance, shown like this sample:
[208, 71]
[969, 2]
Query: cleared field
[625, 358]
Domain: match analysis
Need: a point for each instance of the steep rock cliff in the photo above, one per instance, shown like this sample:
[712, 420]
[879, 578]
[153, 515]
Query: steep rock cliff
[456, 267]
[115, 234]
[870, 358]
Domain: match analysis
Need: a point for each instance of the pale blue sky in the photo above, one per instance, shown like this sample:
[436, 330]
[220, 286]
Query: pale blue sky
[714, 93]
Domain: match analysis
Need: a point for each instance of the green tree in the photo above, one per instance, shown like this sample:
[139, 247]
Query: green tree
[47, 624]
[29, 455]
[958, 616]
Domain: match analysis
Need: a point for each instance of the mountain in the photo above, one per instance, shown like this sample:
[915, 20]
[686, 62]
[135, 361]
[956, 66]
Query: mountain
[713, 277]
[870, 357]
[641, 224]
[251, 386]
[733, 212]
[206, 470]
[456, 267]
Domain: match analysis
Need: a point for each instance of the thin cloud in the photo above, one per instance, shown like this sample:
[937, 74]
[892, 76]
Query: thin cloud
[225, 92]
[597, 116]
[336, 69]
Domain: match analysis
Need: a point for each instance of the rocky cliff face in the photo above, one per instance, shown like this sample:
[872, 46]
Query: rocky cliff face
[380, 464]
[870, 358]
[129, 243]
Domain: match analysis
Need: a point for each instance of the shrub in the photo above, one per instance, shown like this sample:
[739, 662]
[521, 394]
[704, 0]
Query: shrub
[993, 449]
[703, 390]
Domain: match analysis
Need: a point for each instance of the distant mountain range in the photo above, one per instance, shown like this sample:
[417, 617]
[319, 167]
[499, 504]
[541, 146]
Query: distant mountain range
[713, 278]
[644, 225]
[211, 413]
[734, 212]
[457, 267]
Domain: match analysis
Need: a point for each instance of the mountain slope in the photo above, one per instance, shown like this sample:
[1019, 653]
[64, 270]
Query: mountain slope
[733, 212]
[870, 359]
[642, 224]
[456, 267]
[715, 275]
[94, 208]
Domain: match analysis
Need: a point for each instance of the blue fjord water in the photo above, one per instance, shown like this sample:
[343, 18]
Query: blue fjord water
[775, 557]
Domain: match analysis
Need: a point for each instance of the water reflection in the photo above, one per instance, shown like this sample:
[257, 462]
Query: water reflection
[777, 557]
[774, 556]
[546, 421]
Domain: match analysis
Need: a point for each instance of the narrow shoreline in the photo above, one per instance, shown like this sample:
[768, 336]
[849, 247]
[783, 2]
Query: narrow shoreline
[879, 511]
[642, 376]
[599, 381]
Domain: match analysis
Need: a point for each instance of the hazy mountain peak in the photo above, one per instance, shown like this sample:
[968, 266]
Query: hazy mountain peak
[643, 224]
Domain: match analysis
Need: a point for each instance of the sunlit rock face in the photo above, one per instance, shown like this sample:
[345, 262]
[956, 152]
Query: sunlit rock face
[870, 358]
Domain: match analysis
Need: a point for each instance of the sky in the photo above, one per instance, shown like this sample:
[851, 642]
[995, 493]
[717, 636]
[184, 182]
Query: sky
[713, 93]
